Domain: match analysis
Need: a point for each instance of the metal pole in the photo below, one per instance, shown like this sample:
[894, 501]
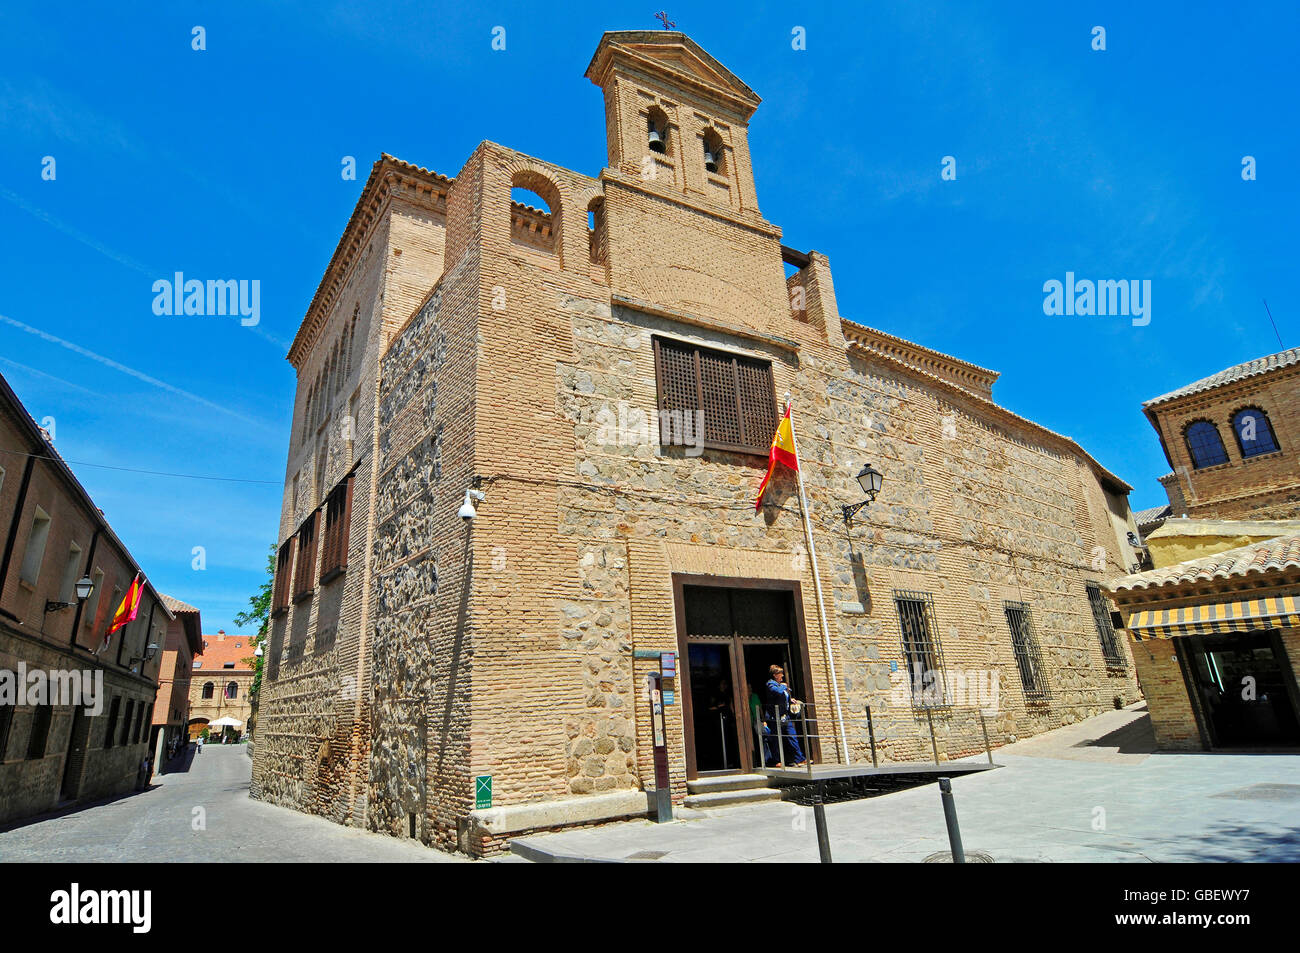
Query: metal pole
[934, 745]
[950, 818]
[819, 818]
[985, 728]
[780, 735]
[817, 587]
[722, 730]
[871, 733]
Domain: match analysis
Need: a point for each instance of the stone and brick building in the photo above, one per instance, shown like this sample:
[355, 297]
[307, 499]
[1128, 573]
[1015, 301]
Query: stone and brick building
[1213, 621]
[171, 712]
[603, 362]
[58, 746]
[220, 679]
[1231, 440]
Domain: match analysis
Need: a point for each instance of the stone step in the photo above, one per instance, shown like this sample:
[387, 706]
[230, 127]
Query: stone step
[726, 782]
[701, 802]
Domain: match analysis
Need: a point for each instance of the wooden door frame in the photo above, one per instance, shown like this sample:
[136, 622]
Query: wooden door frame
[799, 634]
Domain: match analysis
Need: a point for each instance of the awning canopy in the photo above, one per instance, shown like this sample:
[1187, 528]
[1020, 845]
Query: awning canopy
[226, 722]
[1215, 617]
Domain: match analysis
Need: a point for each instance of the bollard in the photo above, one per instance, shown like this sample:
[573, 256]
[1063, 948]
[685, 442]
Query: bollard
[871, 733]
[819, 817]
[950, 818]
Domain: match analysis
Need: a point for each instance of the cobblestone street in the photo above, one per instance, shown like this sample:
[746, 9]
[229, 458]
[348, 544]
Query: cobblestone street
[158, 825]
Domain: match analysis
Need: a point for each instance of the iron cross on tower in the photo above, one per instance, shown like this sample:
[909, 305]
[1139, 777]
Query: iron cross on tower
[668, 24]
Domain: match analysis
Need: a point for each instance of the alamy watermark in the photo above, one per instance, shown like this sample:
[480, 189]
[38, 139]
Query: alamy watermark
[216, 296]
[1126, 297]
[974, 688]
[57, 687]
[629, 426]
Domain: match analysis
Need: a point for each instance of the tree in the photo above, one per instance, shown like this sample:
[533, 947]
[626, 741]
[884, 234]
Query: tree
[259, 612]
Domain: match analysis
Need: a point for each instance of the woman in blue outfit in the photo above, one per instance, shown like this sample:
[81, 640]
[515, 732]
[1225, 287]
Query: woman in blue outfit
[776, 717]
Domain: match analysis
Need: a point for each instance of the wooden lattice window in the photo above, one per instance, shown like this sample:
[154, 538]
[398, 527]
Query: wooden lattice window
[733, 396]
[304, 577]
[283, 578]
[338, 514]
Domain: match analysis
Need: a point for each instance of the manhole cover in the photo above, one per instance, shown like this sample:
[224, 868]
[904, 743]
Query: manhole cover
[647, 855]
[945, 857]
[1265, 792]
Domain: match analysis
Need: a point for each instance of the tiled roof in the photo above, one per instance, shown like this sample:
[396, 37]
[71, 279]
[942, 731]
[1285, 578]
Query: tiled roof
[1271, 555]
[218, 651]
[175, 605]
[1155, 514]
[1237, 372]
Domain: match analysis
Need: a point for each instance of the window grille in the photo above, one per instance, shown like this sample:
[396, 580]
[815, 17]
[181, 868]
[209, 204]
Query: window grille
[283, 578]
[1024, 642]
[1105, 631]
[921, 648]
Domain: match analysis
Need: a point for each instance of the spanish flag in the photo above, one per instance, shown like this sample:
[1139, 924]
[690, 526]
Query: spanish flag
[126, 611]
[782, 452]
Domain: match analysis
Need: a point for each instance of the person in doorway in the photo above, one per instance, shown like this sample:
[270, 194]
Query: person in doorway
[776, 711]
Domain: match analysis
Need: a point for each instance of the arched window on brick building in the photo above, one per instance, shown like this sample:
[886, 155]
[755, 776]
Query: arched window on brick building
[209, 689]
[1254, 432]
[1204, 444]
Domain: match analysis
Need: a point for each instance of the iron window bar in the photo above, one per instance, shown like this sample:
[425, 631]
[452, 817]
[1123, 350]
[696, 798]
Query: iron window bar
[922, 650]
[1024, 642]
[1110, 650]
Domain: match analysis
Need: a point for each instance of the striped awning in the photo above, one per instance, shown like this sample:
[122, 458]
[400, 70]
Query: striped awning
[1215, 617]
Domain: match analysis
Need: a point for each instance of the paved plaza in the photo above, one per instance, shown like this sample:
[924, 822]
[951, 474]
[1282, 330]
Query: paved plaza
[159, 825]
[1091, 792]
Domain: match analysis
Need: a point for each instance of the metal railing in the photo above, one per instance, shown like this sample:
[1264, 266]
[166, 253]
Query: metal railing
[953, 732]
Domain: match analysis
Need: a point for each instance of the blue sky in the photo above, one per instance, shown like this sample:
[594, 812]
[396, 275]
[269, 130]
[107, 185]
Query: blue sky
[225, 164]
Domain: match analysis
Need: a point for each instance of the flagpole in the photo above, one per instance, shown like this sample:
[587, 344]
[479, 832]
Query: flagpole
[817, 587]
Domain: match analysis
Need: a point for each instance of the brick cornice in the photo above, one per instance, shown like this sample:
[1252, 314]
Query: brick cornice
[386, 176]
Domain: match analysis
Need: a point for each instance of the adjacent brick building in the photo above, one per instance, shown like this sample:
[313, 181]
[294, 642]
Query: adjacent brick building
[1231, 440]
[52, 534]
[605, 362]
[1213, 621]
[220, 680]
[171, 712]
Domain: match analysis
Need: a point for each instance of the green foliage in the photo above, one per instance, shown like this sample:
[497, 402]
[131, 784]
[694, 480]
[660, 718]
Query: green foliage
[259, 612]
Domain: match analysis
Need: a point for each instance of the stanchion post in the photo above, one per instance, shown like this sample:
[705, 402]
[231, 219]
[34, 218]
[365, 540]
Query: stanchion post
[950, 818]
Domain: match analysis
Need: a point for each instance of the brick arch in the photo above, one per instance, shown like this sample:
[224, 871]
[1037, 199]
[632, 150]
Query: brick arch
[1187, 443]
[714, 142]
[1267, 418]
[525, 176]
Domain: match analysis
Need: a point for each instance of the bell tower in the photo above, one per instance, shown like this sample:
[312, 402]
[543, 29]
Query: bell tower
[676, 118]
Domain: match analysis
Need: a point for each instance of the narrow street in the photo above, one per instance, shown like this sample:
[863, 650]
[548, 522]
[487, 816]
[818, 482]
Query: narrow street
[160, 825]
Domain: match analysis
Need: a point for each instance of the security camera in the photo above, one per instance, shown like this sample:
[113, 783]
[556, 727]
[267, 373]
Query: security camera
[467, 511]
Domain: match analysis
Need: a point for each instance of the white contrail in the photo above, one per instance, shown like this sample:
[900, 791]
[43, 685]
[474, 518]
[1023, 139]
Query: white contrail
[138, 375]
[107, 252]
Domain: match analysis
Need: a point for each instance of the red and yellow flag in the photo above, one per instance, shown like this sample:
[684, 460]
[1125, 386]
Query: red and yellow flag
[126, 611]
[782, 452]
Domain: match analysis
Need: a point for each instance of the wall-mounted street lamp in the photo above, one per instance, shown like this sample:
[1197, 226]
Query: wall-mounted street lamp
[150, 651]
[870, 479]
[84, 588]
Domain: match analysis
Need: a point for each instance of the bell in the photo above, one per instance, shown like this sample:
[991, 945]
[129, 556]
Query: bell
[655, 140]
[710, 160]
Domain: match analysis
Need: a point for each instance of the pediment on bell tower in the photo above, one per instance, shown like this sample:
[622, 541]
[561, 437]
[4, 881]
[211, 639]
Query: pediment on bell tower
[676, 60]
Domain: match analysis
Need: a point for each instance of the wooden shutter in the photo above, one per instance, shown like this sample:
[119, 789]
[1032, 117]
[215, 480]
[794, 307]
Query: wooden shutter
[305, 575]
[735, 393]
[283, 578]
[338, 514]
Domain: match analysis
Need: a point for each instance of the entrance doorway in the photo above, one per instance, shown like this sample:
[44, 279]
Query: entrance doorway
[729, 635]
[74, 761]
[1244, 688]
